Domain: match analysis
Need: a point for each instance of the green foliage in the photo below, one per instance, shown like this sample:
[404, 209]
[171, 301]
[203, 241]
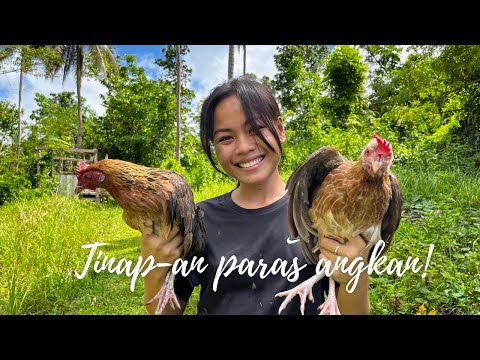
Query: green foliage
[8, 120]
[384, 58]
[29, 58]
[55, 120]
[429, 104]
[168, 63]
[297, 65]
[344, 78]
[11, 186]
[139, 123]
[194, 164]
[24, 184]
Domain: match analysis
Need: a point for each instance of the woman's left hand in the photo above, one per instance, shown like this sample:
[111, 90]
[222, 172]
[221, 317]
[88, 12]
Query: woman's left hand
[331, 249]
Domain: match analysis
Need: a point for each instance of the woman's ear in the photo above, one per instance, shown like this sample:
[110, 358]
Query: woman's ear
[281, 130]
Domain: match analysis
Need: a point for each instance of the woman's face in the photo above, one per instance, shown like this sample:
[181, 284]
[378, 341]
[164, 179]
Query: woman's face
[241, 153]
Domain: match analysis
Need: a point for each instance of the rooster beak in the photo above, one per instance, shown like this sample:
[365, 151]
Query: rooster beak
[78, 189]
[376, 164]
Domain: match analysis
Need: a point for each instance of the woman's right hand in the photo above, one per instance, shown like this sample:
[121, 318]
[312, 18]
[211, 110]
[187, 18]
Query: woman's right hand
[163, 249]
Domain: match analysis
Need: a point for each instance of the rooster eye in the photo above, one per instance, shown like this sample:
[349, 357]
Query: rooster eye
[87, 177]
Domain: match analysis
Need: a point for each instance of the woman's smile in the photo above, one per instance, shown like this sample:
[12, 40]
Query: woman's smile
[251, 164]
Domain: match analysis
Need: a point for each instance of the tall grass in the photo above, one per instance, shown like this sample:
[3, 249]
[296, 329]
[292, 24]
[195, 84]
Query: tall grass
[41, 243]
[41, 239]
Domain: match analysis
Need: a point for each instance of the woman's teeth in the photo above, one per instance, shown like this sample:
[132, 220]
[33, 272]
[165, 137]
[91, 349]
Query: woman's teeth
[251, 163]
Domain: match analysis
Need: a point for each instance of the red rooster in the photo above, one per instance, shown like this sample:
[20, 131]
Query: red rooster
[160, 196]
[331, 196]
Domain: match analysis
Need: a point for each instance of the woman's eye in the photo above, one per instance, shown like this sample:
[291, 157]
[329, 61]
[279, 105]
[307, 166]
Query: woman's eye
[224, 138]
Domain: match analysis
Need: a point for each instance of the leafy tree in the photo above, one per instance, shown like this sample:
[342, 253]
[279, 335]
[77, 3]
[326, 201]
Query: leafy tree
[27, 59]
[344, 79]
[461, 66]
[179, 102]
[384, 60]
[169, 64]
[138, 124]
[54, 120]
[296, 64]
[178, 74]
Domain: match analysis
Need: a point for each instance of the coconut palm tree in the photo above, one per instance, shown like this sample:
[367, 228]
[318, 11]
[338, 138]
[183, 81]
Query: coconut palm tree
[101, 57]
[179, 103]
[28, 58]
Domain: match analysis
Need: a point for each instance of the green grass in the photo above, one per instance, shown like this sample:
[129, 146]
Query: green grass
[41, 239]
[443, 209]
[41, 247]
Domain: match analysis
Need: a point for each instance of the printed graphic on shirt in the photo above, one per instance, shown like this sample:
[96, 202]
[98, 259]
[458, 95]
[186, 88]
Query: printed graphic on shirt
[292, 241]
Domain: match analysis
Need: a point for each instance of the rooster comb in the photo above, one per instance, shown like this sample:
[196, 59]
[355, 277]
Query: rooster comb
[80, 167]
[382, 142]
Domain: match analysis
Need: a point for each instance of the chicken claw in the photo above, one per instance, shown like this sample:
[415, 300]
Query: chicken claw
[330, 306]
[303, 290]
[166, 294]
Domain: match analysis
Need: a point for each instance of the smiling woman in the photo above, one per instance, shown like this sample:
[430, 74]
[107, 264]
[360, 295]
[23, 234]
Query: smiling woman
[242, 134]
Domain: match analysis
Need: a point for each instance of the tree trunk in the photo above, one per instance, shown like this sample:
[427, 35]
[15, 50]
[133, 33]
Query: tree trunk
[19, 132]
[179, 103]
[79, 100]
[231, 60]
[244, 59]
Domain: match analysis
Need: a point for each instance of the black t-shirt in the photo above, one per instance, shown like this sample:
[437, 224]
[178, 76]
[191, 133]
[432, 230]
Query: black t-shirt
[250, 235]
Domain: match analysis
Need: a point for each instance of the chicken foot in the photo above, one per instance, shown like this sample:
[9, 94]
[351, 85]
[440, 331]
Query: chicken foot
[166, 294]
[329, 307]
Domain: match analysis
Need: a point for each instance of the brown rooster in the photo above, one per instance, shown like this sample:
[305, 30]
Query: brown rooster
[160, 196]
[331, 196]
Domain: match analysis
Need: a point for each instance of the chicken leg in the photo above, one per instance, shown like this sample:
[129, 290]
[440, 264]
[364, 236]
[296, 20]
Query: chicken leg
[166, 294]
[329, 307]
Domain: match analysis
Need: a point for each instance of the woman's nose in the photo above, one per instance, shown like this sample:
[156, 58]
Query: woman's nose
[246, 143]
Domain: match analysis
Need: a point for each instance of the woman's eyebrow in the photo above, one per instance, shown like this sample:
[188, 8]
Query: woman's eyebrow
[221, 130]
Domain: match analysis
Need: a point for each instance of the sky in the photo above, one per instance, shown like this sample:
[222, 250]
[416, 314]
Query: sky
[208, 64]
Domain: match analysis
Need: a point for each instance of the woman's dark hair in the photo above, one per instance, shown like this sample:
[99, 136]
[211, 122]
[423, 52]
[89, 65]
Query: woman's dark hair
[258, 103]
